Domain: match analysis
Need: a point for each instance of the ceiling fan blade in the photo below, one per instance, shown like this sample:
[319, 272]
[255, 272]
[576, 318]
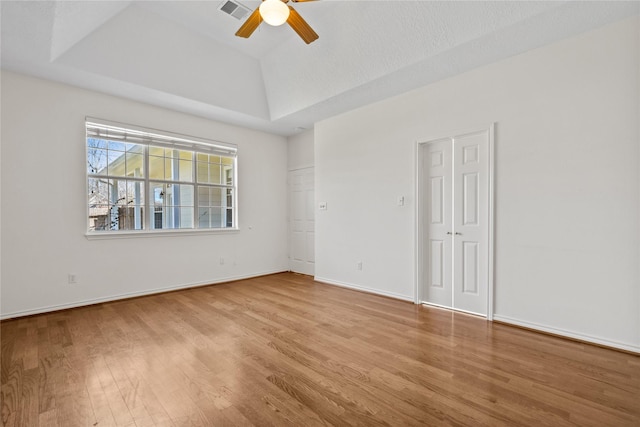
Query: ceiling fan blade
[250, 24]
[301, 27]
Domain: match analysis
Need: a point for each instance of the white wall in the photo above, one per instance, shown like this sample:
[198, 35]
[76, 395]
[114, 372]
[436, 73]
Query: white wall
[567, 184]
[43, 204]
[300, 150]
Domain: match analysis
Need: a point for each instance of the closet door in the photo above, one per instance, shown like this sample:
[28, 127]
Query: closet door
[455, 236]
[301, 221]
[437, 160]
[470, 222]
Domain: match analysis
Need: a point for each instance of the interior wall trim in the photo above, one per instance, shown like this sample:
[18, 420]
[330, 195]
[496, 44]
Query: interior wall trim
[364, 289]
[565, 333]
[117, 297]
[296, 168]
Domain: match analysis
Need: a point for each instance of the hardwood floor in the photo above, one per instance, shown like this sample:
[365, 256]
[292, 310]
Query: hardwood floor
[284, 350]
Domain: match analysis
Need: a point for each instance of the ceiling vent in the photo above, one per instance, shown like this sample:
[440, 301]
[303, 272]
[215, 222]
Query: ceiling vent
[234, 9]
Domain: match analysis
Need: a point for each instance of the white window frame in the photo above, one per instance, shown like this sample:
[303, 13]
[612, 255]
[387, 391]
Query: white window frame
[114, 131]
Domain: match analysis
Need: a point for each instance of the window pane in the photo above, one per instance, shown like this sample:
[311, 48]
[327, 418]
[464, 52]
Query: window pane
[135, 164]
[179, 195]
[228, 175]
[116, 204]
[122, 193]
[218, 170]
[116, 165]
[158, 194]
[130, 217]
[156, 167]
[136, 201]
[204, 217]
[157, 191]
[98, 192]
[185, 170]
[96, 143]
[214, 174]
[178, 170]
[203, 196]
[229, 196]
[173, 205]
[116, 146]
[186, 195]
[209, 196]
[186, 217]
[203, 172]
[168, 168]
[229, 217]
[227, 161]
[156, 151]
[216, 217]
[99, 217]
[96, 161]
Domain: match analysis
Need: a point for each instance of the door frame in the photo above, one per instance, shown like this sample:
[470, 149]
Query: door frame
[421, 145]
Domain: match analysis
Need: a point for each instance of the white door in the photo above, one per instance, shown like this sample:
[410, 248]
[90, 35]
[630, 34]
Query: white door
[471, 222]
[456, 211]
[439, 223]
[301, 221]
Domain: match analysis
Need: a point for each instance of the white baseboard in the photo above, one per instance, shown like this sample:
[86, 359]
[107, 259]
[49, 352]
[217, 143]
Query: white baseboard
[364, 289]
[47, 309]
[567, 333]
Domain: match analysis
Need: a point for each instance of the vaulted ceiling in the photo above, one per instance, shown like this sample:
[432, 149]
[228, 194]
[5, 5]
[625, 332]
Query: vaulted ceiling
[183, 55]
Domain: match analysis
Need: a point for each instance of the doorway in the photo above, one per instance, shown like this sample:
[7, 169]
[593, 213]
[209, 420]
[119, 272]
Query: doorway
[455, 222]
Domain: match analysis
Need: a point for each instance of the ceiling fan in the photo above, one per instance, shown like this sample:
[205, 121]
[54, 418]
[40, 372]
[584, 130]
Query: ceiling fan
[277, 12]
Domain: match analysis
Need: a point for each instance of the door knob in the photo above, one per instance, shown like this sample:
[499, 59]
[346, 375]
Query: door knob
[448, 232]
[458, 234]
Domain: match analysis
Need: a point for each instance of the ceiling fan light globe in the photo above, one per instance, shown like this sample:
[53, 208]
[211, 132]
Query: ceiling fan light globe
[274, 12]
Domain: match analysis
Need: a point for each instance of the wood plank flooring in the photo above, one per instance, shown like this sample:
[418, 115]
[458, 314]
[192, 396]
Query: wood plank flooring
[284, 350]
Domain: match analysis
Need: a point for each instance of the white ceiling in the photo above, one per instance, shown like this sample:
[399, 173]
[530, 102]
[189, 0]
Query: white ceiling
[183, 55]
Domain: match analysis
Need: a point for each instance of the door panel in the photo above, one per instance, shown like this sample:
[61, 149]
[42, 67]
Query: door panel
[470, 222]
[436, 266]
[437, 199]
[469, 269]
[301, 221]
[470, 199]
[438, 221]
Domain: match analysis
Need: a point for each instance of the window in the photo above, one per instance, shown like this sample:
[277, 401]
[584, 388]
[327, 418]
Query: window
[146, 180]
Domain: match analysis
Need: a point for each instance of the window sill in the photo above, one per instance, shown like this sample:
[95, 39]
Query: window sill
[97, 235]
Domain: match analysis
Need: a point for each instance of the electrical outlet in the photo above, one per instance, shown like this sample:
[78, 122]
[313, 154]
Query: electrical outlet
[359, 265]
[221, 261]
[72, 279]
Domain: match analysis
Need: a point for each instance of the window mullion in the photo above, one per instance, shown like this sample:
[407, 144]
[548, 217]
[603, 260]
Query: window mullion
[147, 190]
[194, 176]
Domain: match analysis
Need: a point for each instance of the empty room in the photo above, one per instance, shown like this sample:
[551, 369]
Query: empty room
[319, 212]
